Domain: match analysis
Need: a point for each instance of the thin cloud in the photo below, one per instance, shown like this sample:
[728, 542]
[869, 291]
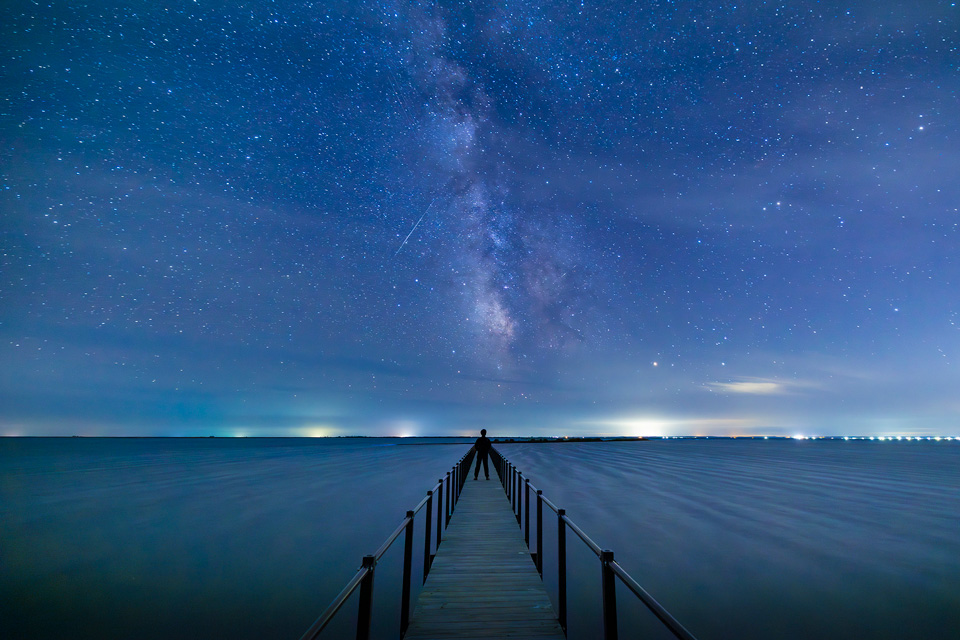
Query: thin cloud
[760, 386]
[765, 388]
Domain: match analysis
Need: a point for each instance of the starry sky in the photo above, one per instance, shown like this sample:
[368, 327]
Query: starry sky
[417, 218]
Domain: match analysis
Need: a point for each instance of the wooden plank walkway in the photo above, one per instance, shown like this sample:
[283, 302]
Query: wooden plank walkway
[483, 583]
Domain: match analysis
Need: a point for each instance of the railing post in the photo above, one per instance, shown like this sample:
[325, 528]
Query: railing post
[516, 488]
[456, 482]
[562, 569]
[366, 599]
[519, 509]
[449, 501]
[608, 586]
[516, 493]
[439, 513]
[539, 531]
[428, 520]
[457, 485]
[407, 570]
[526, 518]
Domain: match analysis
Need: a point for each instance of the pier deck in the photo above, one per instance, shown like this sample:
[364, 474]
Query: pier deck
[483, 582]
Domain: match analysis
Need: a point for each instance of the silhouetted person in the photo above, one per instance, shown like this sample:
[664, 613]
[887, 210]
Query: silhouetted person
[483, 450]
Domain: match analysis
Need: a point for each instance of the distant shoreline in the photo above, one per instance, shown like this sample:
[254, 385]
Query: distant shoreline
[416, 440]
[531, 440]
[506, 440]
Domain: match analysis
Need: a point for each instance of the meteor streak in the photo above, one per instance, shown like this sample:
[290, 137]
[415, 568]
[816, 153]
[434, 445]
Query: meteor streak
[415, 226]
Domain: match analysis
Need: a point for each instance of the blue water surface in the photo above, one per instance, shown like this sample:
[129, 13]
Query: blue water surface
[251, 538]
[197, 538]
[764, 538]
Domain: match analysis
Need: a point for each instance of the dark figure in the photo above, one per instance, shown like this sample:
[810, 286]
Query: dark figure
[483, 449]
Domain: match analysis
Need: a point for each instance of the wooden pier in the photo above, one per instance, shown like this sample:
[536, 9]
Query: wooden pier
[483, 583]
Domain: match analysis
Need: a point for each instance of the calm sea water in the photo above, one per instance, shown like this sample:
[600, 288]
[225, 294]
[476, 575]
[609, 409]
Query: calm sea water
[251, 538]
[767, 539]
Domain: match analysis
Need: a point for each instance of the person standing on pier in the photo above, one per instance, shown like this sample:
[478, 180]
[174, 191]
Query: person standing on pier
[483, 450]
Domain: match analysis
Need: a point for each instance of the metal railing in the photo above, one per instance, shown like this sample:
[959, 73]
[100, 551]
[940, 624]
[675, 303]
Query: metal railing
[518, 489]
[452, 484]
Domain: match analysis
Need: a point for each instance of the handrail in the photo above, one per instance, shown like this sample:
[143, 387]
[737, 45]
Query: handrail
[583, 536]
[419, 506]
[363, 579]
[672, 623]
[338, 602]
[512, 480]
[393, 536]
[550, 504]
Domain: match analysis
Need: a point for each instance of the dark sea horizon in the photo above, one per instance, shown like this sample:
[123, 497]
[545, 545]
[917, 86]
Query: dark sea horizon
[252, 537]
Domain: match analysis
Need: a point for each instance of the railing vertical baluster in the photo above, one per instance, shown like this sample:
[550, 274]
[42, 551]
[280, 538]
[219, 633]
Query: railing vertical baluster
[526, 517]
[428, 520]
[366, 599]
[456, 482]
[519, 495]
[519, 513]
[608, 586]
[407, 570]
[449, 501]
[439, 513]
[516, 490]
[562, 569]
[539, 531]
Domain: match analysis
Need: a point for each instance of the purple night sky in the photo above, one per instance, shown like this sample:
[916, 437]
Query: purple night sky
[384, 218]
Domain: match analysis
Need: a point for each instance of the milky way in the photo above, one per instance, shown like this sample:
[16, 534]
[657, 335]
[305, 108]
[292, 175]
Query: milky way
[383, 217]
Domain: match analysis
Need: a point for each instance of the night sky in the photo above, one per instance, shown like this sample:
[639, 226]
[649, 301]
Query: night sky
[331, 218]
